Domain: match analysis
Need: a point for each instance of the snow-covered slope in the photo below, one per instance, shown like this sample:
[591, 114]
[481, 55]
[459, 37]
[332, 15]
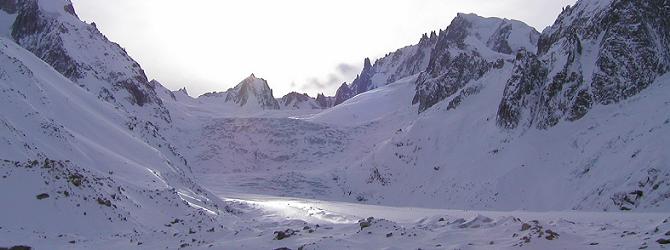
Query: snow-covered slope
[85, 153]
[391, 101]
[394, 66]
[459, 158]
[90, 157]
[597, 53]
[69, 164]
[52, 31]
[471, 47]
[458, 154]
[471, 44]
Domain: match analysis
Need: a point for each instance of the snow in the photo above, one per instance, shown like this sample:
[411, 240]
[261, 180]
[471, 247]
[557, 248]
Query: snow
[591, 6]
[414, 227]
[582, 6]
[522, 36]
[44, 115]
[370, 173]
[6, 20]
[482, 30]
[371, 106]
[481, 166]
[54, 6]
[314, 190]
[393, 66]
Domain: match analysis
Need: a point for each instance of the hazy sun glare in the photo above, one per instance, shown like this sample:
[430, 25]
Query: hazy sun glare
[301, 45]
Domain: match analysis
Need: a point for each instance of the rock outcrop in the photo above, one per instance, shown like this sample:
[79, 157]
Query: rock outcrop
[394, 66]
[295, 100]
[596, 53]
[53, 32]
[469, 48]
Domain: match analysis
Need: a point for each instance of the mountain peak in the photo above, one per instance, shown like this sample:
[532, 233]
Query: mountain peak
[60, 7]
[367, 64]
[481, 43]
[473, 18]
[343, 93]
[252, 91]
[50, 29]
[626, 43]
[183, 90]
[295, 100]
[393, 66]
[467, 15]
[254, 82]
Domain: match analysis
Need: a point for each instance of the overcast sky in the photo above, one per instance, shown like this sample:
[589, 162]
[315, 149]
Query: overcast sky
[297, 45]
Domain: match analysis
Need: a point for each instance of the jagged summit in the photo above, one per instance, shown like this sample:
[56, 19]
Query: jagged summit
[295, 100]
[501, 35]
[425, 37]
[183, 91]
[394, 66]
[250, 77]
[597, 52]
[469, 48]
[325, 101]
[343, 93]
[250, 93]
[489, 38]
[53, 32]
[253, 91]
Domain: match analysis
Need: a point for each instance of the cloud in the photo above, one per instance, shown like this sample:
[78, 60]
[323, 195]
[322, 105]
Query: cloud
[347, 69]
[343, 72]
[316, 83]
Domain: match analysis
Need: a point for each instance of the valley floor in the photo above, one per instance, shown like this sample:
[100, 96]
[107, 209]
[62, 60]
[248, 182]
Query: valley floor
[319, 224]
[560, 145]
[272, 222]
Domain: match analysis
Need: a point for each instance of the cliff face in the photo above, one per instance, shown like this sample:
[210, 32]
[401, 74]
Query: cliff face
[53, 32]
[325, 101]
[597, 52]
[295, 100]
[469, 48]
[253, 91]
[394, 66]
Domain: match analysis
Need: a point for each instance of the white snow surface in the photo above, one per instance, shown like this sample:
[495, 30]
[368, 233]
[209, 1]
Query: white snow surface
[102, 183]
[460, 159]
[413, 169]
[390, 101]
[370, 173]
[483, 29]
